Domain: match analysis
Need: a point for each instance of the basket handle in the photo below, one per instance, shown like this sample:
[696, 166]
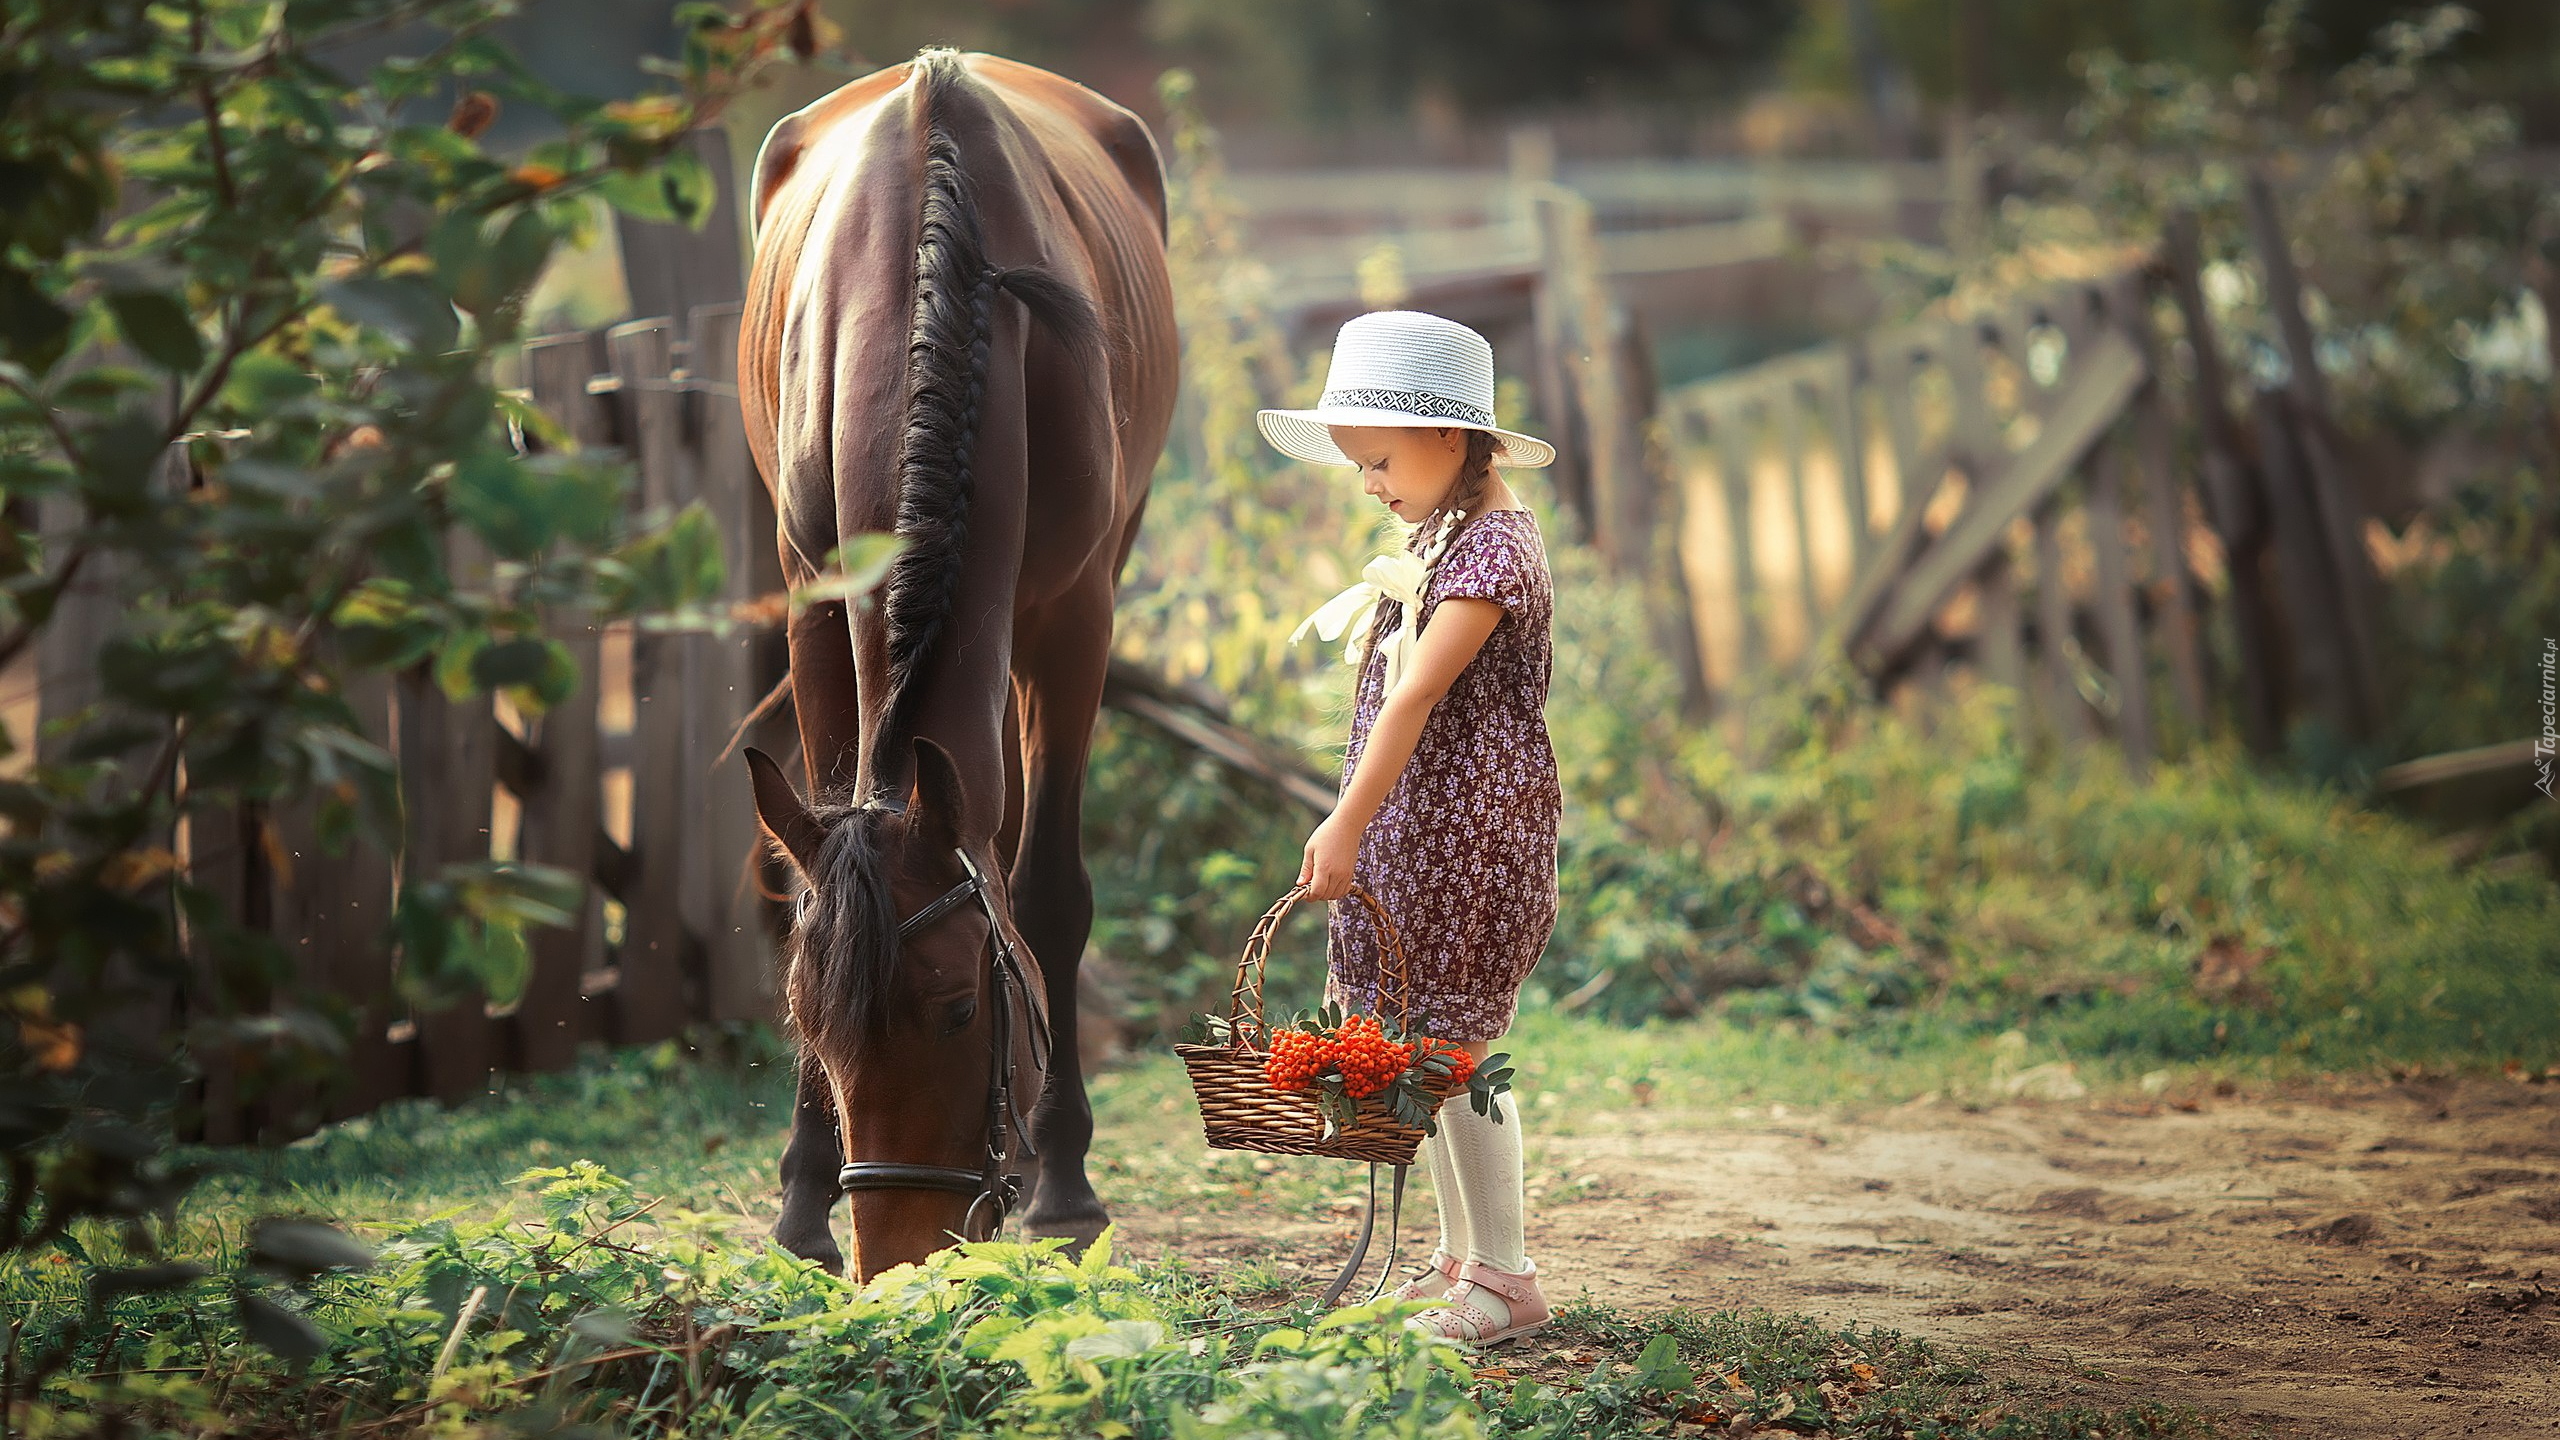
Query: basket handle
[1244, 1005]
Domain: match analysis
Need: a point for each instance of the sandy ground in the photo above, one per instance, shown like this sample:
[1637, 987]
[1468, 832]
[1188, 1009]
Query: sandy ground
[2322, 1261]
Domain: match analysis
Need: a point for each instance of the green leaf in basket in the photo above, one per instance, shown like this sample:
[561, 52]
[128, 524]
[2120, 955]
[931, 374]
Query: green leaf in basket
[1409, 1108]
[1339, 1110]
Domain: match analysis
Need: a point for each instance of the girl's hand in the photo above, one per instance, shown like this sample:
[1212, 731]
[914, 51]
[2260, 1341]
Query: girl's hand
[1331, 853]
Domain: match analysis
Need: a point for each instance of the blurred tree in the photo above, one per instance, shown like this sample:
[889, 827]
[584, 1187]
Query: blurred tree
[2018, 52]
[1315, 62]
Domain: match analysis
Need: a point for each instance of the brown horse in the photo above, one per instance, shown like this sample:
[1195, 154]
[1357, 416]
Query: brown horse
[959, 328]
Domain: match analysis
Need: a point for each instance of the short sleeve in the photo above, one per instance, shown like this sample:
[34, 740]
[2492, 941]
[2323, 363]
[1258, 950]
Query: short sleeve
[1488, 563]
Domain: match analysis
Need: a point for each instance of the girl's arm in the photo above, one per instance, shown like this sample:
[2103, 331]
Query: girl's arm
[1459, 625]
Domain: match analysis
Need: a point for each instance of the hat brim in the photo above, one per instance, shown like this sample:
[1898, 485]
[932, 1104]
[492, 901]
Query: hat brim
[1301, 435]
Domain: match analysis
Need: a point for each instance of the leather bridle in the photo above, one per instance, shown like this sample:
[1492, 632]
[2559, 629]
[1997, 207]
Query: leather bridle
[992, 1185]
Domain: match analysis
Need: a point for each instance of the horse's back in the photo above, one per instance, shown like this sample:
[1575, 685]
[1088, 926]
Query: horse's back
[1067, 180]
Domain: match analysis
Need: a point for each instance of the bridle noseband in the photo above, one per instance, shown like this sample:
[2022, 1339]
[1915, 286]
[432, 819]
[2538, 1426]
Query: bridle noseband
[1005, 1126]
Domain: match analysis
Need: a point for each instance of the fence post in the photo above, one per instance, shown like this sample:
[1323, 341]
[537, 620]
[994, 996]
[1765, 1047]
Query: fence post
[2173, 586]
[2324, 667]
[1735, 439]
[1918, 476]
[2056, 639]
[1849, 437]
[650, 1001]
[671, 269]
[1790, 401]
[1551, 316]
[2234, 502]
[2126, 663]
[1976, 448]
[332, 915]
[448, 779]
[564, 813]
[736, 940]
[2329, 494]
[337, 909]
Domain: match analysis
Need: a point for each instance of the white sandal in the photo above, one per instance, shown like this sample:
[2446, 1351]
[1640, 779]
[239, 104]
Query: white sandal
[1460, 1319]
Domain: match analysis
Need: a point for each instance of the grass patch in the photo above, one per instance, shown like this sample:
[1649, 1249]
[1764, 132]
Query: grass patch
[580, 1306]
[610, 1218]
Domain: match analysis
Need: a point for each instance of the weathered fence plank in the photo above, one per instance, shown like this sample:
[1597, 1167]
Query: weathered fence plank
[1894, 361]
[563, 810]
[1848, 438]
[650, 998]
[1735, 444]
[737, 945]
[2326, 491]
[2175, 594]
[448, 780]
[1790, 405]
[2117, 621]
[2232, 499]
[670, 270]
[2097, 396]
[338, 909]
[2056, 645]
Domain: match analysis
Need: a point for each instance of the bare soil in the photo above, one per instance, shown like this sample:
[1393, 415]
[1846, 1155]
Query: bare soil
[2332, 1260]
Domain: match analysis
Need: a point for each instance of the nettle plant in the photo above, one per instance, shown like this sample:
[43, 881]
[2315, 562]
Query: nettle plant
[251, 286]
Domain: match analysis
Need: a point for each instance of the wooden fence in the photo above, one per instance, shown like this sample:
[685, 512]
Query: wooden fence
[1461, 231]
[618, 785]
[1815, 481]
[2011, 491]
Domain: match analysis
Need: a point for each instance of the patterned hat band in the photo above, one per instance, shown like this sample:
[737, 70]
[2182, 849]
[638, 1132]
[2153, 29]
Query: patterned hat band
[1402, 369]
[1411, 402]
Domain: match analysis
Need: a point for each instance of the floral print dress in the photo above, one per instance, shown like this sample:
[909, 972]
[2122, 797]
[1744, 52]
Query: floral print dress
[1462, 853]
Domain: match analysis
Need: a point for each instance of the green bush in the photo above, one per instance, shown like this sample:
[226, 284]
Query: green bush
[250, 292]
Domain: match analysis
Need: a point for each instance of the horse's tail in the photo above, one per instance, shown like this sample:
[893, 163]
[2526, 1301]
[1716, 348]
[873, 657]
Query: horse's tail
[947, 358]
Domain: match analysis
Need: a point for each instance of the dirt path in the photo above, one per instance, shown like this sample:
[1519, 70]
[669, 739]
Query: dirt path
[2371, 1261]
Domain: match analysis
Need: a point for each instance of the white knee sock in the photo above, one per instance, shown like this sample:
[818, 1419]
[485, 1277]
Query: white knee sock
[1487, 1159]
[1444, 1191]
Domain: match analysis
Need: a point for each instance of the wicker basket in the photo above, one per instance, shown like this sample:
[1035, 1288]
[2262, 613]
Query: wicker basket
[1238, 1107]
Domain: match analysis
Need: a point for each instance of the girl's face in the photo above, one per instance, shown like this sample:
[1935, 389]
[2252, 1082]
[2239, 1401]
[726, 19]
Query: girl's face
[1408, 468]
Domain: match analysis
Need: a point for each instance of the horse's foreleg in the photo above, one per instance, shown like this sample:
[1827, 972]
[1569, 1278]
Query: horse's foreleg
[810, 1163]
[1053, 896]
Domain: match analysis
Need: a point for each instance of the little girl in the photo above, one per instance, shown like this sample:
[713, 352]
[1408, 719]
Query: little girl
[1449, 799]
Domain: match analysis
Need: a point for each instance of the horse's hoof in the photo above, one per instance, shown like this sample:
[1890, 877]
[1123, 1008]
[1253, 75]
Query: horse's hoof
[1080, 1224]
[821, 1248]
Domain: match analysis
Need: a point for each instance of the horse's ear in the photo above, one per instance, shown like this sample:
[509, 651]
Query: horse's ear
[780, 811]
[934, 810]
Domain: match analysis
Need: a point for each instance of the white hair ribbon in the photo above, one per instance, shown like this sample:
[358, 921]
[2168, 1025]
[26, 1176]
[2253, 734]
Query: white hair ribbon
[1400, 576]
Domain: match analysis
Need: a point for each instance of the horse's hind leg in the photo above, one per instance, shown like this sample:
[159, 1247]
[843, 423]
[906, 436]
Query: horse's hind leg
[1053, 893]
[810, 1164]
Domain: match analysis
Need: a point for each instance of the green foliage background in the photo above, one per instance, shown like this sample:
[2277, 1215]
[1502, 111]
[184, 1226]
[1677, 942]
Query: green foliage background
[1864, 867]
[249, 297]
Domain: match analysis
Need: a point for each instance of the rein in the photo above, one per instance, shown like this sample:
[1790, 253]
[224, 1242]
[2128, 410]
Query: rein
[989, 1186]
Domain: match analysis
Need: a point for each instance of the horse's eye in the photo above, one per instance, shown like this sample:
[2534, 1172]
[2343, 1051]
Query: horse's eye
[960, 1013]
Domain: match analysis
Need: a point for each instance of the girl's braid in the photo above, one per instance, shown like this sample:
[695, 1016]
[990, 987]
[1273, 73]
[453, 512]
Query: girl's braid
[1475, 475]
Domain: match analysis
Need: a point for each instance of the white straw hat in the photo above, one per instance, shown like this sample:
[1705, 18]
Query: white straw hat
[1402, 367]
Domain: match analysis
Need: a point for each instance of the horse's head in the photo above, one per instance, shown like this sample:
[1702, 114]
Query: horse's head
[905, 978]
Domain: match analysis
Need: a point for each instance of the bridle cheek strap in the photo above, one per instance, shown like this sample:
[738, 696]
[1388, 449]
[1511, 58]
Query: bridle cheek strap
[990, 1186]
